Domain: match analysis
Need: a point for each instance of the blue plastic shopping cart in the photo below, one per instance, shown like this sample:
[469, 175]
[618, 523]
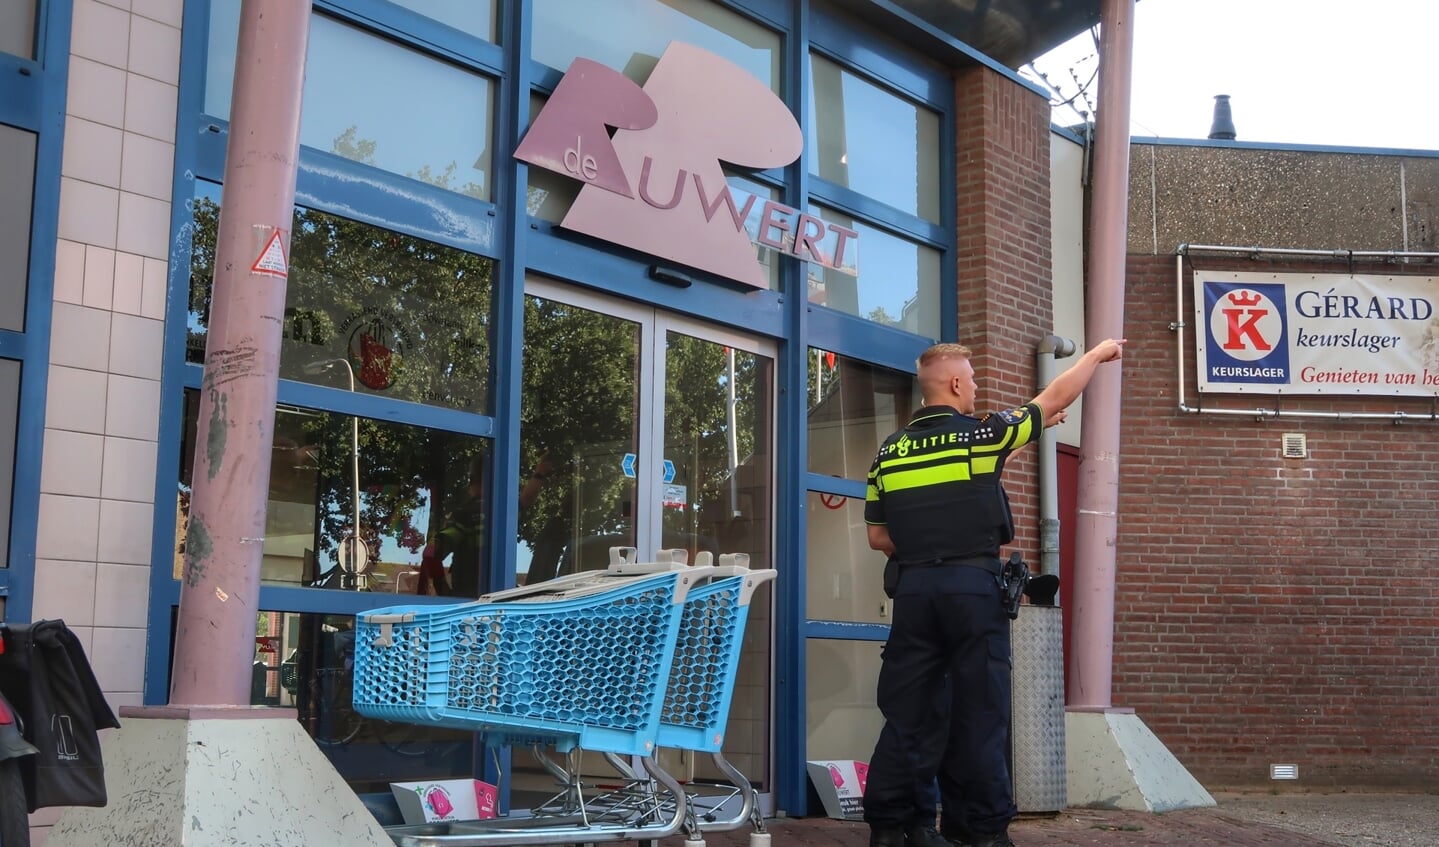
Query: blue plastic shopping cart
[619, 662]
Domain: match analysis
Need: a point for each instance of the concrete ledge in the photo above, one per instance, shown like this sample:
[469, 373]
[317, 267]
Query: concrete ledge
[1115, 762]
[197, 713]
[206, 781]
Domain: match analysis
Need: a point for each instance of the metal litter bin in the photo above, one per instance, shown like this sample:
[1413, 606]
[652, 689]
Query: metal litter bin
[1036, 736]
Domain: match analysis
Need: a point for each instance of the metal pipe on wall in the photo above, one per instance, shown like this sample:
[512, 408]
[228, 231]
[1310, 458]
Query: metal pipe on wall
[1051, 348]
[219, 593]
[1092, 595]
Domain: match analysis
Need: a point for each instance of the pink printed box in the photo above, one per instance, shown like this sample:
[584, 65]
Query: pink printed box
[438, 800]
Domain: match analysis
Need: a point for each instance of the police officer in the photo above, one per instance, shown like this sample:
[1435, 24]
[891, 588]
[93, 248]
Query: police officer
[934, 503]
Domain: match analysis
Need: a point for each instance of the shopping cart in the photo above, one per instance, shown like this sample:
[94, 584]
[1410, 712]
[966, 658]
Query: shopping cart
[618, 662]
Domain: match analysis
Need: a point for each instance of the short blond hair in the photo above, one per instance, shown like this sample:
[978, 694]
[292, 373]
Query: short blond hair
[937, 352]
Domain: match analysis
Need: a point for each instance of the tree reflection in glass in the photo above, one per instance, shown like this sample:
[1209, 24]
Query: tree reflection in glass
[410, 319]
[579, 402]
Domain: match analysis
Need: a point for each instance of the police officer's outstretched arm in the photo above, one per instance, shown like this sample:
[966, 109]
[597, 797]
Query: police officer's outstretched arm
[1066, 388]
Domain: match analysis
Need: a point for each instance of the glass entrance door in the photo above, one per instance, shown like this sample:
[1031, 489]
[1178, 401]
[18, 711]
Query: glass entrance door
[644, 429]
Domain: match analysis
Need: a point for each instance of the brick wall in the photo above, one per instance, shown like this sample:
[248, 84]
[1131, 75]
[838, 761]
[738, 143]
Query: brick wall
[1004, 254]
[1274, 610]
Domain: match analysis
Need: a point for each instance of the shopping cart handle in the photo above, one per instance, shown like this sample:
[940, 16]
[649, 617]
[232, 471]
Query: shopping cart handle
[386, 636]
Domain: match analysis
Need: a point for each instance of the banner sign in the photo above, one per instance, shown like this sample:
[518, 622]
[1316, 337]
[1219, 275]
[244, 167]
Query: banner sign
[1316, 334]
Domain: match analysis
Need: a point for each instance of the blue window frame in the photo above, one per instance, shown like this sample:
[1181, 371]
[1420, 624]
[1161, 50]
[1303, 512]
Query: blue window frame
[32, 110]
[497, 223]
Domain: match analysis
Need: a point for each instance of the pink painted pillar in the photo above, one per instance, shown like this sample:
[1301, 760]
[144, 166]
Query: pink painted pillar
[1091, 599]
[219, 595]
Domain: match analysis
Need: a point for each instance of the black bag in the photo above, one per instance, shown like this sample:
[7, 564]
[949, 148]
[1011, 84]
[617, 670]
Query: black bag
[46, 677]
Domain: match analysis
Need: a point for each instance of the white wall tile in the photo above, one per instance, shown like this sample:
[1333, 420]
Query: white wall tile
[129, 283]
[69, 271]
[128, 470]
[150, 107]
[155, 50]
[167, 11]
[92, 152]
[65, 590]
[96, 92]
[71, 463]
[144, 226]
[122, 595]
[75, 400]
[119, 4]
[68, 528]
[135, 345]
[80, 337]
[118, 657]
[121, 699]
[152, 304]
[99, 277]
[132, 408]
[89, 213]
[125, 530]
[147, 166]
[100, 32]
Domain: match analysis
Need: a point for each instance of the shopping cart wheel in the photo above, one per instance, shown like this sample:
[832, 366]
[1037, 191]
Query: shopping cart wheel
[694, 842]
[759, 839]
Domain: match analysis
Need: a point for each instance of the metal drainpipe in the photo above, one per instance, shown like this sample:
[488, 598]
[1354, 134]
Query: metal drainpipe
[1091, 593]
[219, 596]
[1051, 348]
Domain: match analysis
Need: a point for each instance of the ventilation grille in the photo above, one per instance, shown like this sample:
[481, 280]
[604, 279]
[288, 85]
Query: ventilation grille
[1295, 445]
[1283, 771]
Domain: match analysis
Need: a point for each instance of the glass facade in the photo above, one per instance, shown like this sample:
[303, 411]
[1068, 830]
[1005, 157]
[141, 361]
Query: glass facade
[304, 662]
[843, 576]
[9, 419]
[17, 188]
[17, 27]
[367, 310]
[630, 35]
[887, 279]
[414, 493]
[439, 402]
[472, 17]
[853, 407]
[841, 718]
[372, 101]
[870, 140]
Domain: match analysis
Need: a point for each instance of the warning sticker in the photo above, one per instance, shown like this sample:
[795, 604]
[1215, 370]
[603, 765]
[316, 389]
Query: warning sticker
[272, 258]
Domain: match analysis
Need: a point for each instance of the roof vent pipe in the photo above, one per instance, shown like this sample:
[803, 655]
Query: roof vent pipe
[1223, 127]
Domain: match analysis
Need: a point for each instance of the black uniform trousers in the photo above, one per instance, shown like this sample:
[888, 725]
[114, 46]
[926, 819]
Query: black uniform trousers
[949, 635]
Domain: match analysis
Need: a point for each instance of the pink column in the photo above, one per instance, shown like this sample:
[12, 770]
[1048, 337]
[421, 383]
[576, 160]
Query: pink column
[1091, 598]
[219, 596]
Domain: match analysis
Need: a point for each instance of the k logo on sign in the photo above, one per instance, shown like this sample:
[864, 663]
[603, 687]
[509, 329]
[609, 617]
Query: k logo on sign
[657, 186]
[1246, 323]
[1246, 332]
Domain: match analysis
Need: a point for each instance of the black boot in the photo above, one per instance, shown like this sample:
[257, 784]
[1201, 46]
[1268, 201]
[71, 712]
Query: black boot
[886, 836]
[923, 836]
[998, 839]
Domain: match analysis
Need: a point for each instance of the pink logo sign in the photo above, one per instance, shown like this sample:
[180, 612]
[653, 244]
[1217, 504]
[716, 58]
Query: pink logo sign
[657, 186]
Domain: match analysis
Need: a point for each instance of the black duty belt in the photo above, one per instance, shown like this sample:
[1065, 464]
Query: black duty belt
[990, 564]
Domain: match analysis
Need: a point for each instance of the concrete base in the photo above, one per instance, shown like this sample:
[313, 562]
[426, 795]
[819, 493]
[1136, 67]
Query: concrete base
[1115, 762]
[216, 776]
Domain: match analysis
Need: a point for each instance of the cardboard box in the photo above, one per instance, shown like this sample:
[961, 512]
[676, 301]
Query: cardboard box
[840, 785]
[438, 800]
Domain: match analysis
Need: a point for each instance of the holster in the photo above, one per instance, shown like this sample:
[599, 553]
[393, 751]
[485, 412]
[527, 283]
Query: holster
[891, 577]
[1012, 579]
